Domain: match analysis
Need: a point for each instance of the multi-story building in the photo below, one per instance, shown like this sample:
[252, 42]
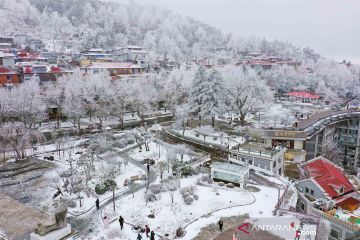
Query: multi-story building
[259, 157]
[130, 53]
[334, 134]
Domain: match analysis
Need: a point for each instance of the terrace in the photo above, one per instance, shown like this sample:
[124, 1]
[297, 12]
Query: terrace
[258, 149]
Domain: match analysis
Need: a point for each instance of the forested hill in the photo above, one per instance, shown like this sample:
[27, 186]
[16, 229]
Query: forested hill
[81, 24]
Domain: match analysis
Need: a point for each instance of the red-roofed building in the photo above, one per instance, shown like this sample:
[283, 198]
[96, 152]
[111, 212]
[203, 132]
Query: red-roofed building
[324, 191]
[322, 179]
[302, 96]
[328, 176]
[7, 76]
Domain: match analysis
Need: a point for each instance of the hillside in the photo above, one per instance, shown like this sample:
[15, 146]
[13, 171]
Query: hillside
[81, 24]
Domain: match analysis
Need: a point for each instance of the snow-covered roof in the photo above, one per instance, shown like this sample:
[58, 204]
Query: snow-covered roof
[3, 54]
[110, 65]
[235, 168]
[95, 50]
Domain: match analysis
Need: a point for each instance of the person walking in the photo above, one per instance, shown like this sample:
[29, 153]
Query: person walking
[152, 235]
[221, 223]
[297, 234]
[121, 221]
[106, 221]
[97, 204]
[147, 230]
[139, 237]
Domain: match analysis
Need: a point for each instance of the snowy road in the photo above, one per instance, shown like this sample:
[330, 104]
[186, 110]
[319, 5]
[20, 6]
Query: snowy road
[89, 220]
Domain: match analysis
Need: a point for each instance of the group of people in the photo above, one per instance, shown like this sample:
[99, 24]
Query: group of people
[147, 231]
[106, 219]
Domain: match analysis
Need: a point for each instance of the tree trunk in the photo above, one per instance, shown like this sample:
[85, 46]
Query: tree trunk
[122, 123]
[213, 121]
[113, 198]
[199, 120]
[79, 129]
[242, 119]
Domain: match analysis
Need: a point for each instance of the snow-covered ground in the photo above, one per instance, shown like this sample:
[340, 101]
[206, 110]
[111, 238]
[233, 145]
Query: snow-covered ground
[169, 216]
[160, 152]
[214, 138]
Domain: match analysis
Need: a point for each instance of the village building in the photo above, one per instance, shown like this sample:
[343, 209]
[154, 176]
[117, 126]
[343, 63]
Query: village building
[7, 60]
[43, 73]
[114, 68]
[230, 173]
[302, 97]
[94, 55]
[35, 44]
[8, 77]
[130, 53]
[5, 46]
[8, 40]
[23, 56]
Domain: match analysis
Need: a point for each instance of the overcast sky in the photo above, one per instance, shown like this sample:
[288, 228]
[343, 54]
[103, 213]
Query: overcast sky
[331, 27]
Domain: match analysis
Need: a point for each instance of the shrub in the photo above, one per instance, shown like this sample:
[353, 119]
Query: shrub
[221, 184]
[187, 170]
[155, 188]
[100, 188]
[230, 185]
[151, 197]
[71, 204]
[188, 200]
[109, 184]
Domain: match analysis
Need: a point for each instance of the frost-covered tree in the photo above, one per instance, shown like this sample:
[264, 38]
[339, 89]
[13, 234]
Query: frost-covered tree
[120, 99]
[245, 91]
[18, 138]
[182, 115]
[206, 97]
[73, 103]
[96, 93]
[27, 105]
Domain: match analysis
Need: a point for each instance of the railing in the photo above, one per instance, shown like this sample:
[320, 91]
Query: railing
[342, 224]
[261, 153]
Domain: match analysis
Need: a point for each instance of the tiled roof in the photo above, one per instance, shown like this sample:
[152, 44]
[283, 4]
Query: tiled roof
[303, 94]
[329, 176]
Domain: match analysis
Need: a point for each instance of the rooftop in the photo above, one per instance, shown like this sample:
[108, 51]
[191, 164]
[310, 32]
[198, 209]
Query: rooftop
[111, 65]
[4, 70]
[258, 149]
[230, 167]
[303, 94]
[329, 176]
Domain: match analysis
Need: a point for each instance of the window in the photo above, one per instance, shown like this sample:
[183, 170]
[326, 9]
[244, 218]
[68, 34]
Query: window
[243, 159]
[274, 164]
[334, 234]
[307, 190]
[341, 190]
[302, 206]
[311, 192]
[250, 162]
